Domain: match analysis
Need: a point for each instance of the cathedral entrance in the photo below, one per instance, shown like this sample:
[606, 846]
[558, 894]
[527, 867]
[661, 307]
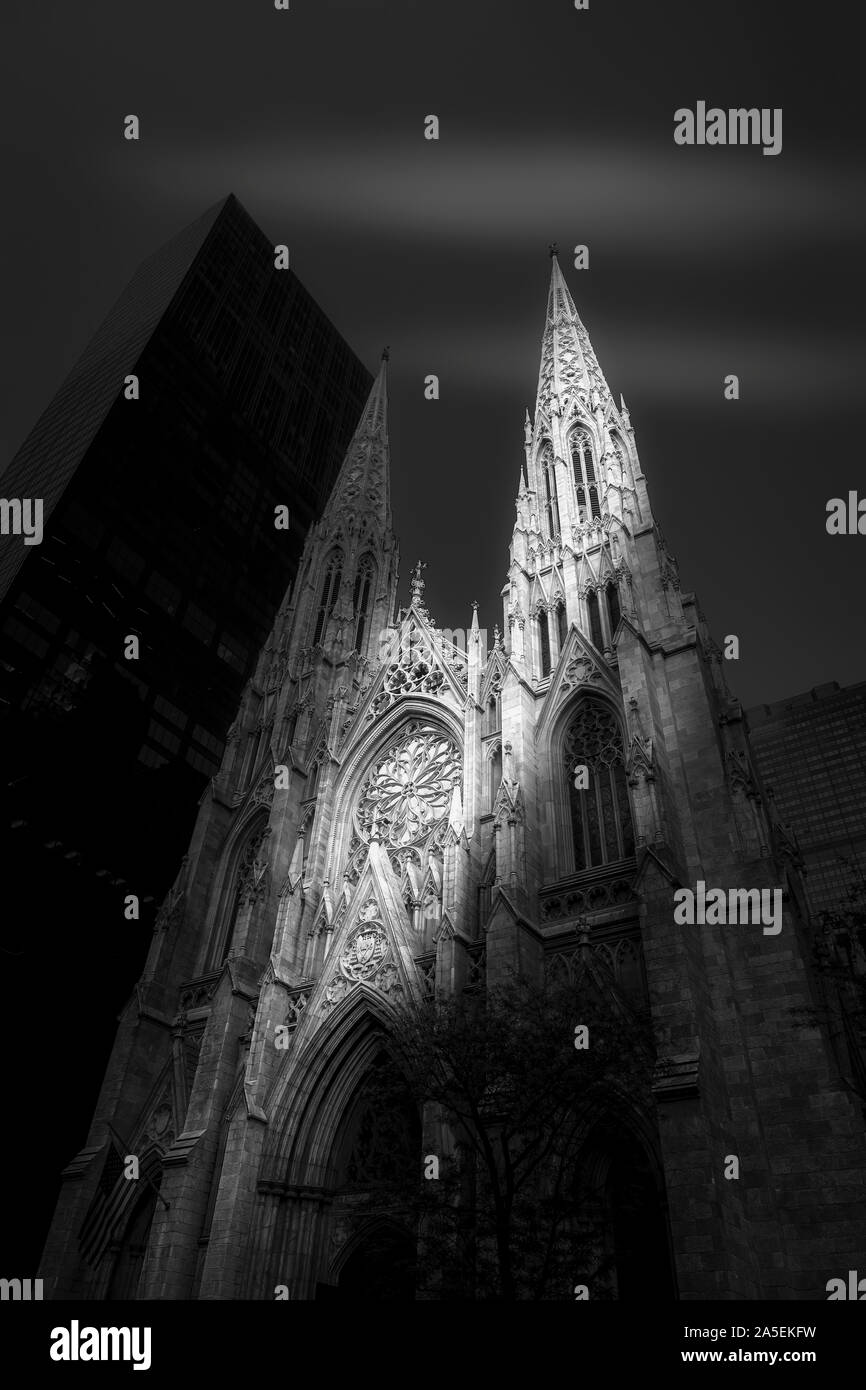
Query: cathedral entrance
[381, 1266]
[129, 1261]
[638, 1228]
[372, 1222]
[625, 1219]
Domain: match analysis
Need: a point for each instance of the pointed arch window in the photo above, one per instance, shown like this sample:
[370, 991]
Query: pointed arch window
[362, 598]
[594, 619]
[613, 608]
[561, 625]
[551, 497]
[292, 726]
[312, 787]
[494, 777]
[602, 831]
[583, 466]
[544, 644]
[329, 594]
[248, 883]
[493, 717]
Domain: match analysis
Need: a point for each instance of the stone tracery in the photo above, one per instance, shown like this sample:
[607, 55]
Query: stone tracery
[408, 793]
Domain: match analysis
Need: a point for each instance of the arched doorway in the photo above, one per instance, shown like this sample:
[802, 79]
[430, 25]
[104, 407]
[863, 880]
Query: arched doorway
[380, 1266]
[379, 1166]
[624, 1218]
[129, 1260]
[639, 1227]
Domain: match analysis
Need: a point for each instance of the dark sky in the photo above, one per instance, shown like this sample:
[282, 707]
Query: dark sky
[555, 125]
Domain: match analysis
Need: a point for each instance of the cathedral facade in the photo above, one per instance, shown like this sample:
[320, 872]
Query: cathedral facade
[400, 816]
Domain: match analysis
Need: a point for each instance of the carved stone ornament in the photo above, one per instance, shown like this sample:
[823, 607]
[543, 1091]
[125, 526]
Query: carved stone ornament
[264, 791]
[337, 990]
[416, 672]
[580, 671]
[364, 952]
[388, 980]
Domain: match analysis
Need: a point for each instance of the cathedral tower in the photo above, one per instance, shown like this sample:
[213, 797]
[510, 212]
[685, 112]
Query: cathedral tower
[397, 816]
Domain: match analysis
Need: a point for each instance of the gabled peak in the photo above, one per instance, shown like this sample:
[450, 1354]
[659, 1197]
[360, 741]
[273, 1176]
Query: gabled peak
[580, 667]
[494, 673]
[508, 804]
[418, 659]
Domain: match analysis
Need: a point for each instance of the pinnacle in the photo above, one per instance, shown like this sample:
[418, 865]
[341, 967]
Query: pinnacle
[568, 362]
[363, 483]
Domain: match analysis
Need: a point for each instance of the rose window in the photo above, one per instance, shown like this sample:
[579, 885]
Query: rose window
[408, 793]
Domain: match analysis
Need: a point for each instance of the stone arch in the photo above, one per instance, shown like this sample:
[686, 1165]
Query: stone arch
[317, 1105]
[309, 1096]
[584, 464]
[371, 745]
[377, 1263]
[363, 598]
[552, 756]
[135, 1207]
[492, 773]
[626, 1231]
[329, 593]
[223, 902]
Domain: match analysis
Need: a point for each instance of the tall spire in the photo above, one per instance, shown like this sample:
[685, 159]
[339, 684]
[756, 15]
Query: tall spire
[568, 362]
[363, 484]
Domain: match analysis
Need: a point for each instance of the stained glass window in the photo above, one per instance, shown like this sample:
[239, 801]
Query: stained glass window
[601, 823]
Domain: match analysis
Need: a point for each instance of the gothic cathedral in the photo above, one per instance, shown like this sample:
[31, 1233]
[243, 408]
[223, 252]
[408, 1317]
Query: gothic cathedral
[399, 815]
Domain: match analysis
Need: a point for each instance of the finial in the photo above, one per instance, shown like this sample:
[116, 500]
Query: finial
[553, 249]
[386, 354]
[497, 638]
[416, 583]
[507, 770]
[475, 604]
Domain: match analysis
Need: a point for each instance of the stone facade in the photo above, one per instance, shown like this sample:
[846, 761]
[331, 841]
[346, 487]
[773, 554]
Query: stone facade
[396, 814]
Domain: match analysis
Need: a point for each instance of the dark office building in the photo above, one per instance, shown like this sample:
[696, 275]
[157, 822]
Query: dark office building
[159, 524]
[811, 751]
[159, 512]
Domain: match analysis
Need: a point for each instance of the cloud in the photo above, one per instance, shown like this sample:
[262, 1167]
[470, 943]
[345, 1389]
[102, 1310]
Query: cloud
[774, 371]
[500, 190]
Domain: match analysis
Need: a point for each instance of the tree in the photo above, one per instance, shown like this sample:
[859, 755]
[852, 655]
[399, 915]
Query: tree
[510, 1080]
